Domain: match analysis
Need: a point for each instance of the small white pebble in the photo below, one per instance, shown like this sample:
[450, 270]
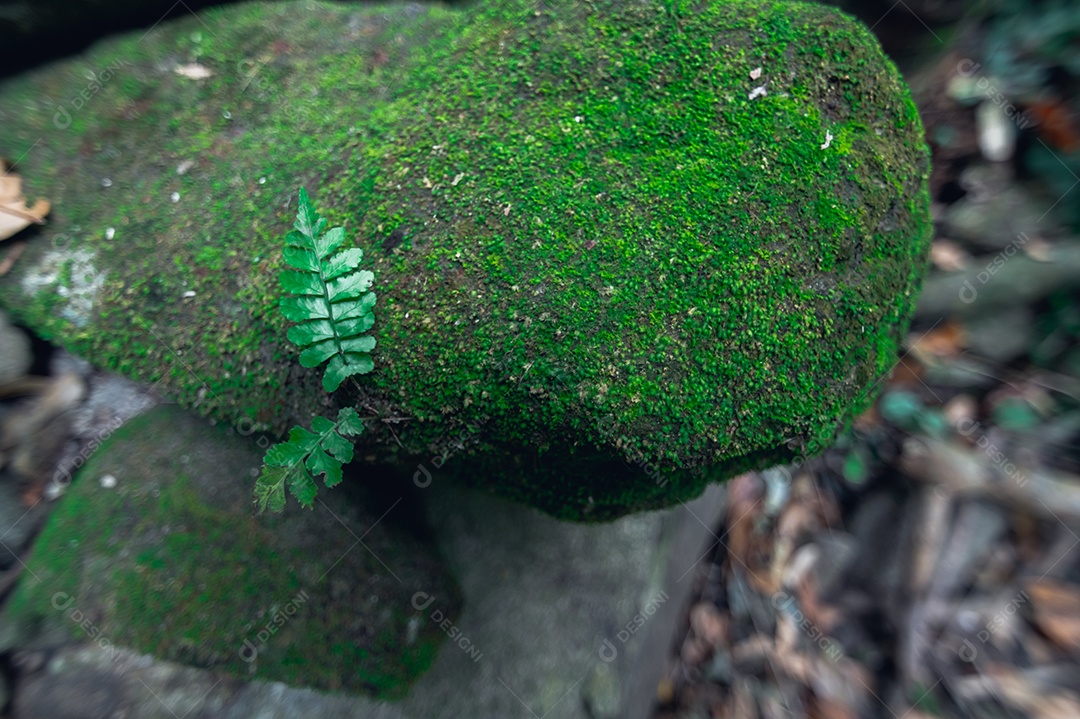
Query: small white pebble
[106, 182]
[757, 92]
[755, 73]
[108, 481]
[189, 293]
[262, 180]
[175, 197]
[110, 233]
[578, 118]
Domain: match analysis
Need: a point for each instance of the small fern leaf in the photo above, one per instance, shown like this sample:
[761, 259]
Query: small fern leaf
[329, 298]
[308, 453]
[302, 486]
[319, 462]
[270, 489]
[344, 366]
[339, 448]
[348, 422]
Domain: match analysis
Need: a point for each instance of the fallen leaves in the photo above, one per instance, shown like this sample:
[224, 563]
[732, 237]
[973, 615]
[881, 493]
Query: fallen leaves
[15, 215]
[1057, 611]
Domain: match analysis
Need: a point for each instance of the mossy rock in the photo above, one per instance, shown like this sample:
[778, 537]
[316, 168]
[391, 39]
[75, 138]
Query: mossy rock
[610, 268]
[170, 562]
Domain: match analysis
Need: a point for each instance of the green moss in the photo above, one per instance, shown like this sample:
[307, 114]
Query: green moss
[171, 562]
[581, 224]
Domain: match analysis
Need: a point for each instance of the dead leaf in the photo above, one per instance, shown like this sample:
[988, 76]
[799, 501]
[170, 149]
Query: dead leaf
[946, 340]
[745, 495]
[1038, 249]
[961, 408]
[948, 256]
[14, 213]
[1021, 689]
[1057, 611]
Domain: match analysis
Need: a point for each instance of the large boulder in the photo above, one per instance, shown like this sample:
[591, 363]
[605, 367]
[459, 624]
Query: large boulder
[622, 249]
[155, 549]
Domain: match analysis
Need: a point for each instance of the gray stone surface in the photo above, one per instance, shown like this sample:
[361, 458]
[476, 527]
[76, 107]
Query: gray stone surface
[546, 629]
[15, 357]
[154, 547]
[553, 607]
[92, 682]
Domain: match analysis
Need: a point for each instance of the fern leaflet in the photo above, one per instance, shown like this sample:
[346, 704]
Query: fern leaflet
[329, 301]
[291, 464]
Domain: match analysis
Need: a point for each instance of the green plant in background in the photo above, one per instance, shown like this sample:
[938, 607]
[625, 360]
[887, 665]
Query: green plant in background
[330, 302]
[1031, 55]
[1026, 40]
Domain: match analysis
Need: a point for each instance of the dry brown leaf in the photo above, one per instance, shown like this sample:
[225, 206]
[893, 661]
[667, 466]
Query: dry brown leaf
[1031, 697]
[910, 370]
[1038, 249]
[946, 340]
[14, 213]
[961, 408]
[1057, 611]
[745, 505]
[868, 420]
[948, 256]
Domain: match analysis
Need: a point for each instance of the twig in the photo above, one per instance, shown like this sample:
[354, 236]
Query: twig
[1040, 492]
[12, 255]
[395, 436]
[23, 215]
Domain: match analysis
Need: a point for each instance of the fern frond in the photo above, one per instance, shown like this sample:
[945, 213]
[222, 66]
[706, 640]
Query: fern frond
[292, 464]
[329, 301]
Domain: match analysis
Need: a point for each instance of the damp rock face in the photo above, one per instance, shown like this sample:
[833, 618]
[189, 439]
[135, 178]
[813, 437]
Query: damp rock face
[622, 249]
[155, 549]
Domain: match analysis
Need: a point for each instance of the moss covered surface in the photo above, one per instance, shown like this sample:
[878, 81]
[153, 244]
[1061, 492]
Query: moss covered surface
[591, 244]
[170, 562]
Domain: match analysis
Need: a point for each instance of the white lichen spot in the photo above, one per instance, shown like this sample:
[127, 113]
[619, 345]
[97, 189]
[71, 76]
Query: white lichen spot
[193, 71]
[757, 92]
[828, 140]
[84, 282]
